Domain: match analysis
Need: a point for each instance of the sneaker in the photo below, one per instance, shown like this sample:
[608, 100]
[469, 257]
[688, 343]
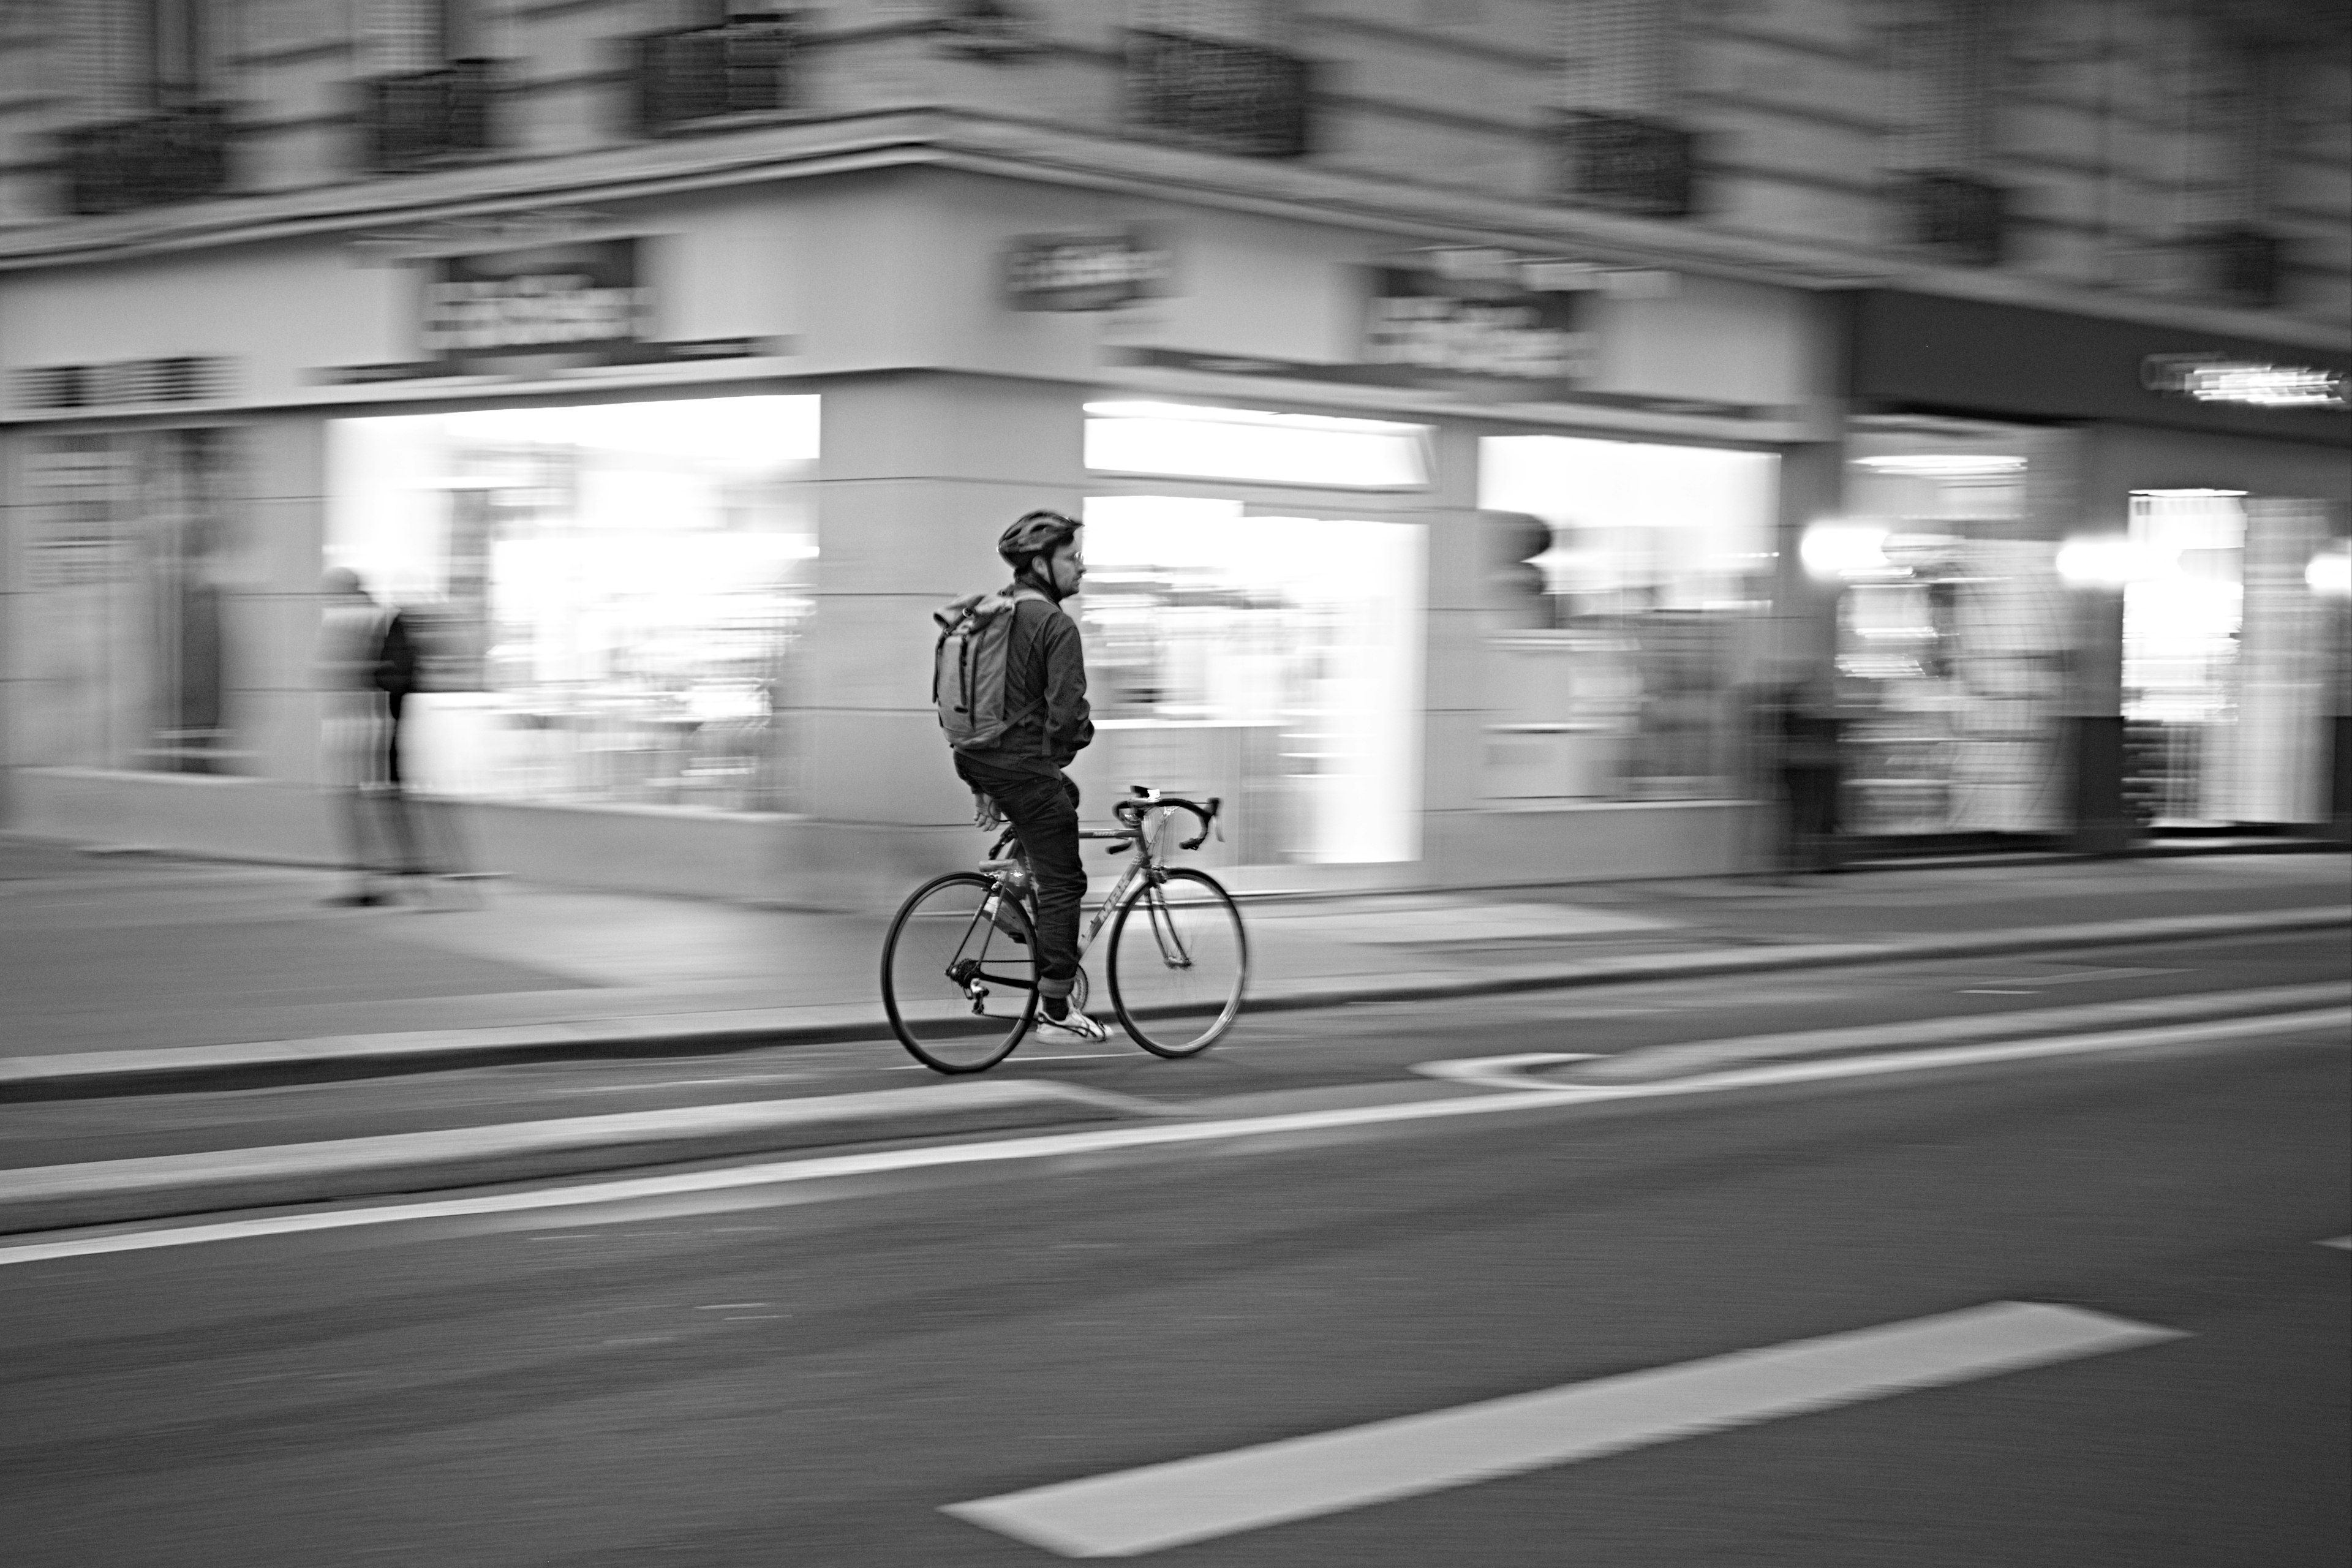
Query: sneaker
[1071, 1026]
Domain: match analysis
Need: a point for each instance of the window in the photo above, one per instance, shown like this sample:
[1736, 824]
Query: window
[1622, 578]
[1218, 74]
[1939, 118]
[1272, 661]
[122, 631]
[611, 594]
[1251, 445]
[1619, 144]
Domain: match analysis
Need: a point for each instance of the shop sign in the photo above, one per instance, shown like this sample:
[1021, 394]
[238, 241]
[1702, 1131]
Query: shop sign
[556, 299]
[1096, 270]
[1456, 326]
[2218, 378]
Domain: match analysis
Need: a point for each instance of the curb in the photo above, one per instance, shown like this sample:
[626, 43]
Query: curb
[110, 1192]
[276, 1062]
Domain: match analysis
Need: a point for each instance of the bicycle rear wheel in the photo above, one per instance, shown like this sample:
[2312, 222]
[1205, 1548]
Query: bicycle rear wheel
[959, 973]
[1178, 962]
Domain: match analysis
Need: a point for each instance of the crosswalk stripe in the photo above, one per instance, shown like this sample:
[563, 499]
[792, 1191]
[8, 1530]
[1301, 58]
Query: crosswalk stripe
[1131, 1513]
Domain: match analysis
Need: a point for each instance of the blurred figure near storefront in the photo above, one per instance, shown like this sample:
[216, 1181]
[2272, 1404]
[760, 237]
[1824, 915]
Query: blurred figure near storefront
[367, 668]
[1798, 732]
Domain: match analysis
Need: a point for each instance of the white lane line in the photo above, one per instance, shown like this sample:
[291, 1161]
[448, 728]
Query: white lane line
[1131, 1512]
[2328, 1023]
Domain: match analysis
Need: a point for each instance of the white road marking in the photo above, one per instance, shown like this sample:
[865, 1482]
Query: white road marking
[2332, 1021]
[1502, 1072]
[2343, 1241]
[1131, 1512]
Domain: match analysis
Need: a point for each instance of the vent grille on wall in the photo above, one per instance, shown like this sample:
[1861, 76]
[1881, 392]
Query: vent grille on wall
[180, 378]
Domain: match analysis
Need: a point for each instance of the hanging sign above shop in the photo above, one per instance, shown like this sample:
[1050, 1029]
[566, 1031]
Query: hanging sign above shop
[1463, 326]
[2219, 378]
[571, 299]
[1096, 270]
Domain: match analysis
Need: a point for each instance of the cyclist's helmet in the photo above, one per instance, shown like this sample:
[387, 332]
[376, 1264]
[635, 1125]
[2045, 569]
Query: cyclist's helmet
[1036, 534]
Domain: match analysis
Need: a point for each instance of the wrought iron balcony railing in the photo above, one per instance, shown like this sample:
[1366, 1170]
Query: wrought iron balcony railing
[1219, 95]
[175, 155]
[1624, 164]
[694, 76]
[1958, 218]
[418, 118]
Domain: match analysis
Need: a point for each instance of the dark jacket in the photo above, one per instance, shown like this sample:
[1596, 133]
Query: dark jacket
[1045, 686]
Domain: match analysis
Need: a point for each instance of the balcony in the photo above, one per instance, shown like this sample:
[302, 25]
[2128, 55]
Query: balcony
[703, 77]
[419, 119]
[177, 155]
[1217, 95]
[1624, 164]
[2235, 266]
[1956, 218]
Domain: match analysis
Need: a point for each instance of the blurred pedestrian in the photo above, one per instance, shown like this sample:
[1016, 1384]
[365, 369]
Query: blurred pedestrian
[367, 668]
[1806, 733]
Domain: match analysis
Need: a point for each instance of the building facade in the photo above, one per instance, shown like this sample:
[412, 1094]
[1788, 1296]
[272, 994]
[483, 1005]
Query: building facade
[1468, 401]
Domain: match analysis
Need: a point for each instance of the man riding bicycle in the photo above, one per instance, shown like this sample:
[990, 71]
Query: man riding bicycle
[1045, 691]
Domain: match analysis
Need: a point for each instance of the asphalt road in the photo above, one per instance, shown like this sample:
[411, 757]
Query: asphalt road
[811, 1372]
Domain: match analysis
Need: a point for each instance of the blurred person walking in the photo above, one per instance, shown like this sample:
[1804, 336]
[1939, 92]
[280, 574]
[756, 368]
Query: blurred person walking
[1803, 732]
[1048, 724]
[367, 668]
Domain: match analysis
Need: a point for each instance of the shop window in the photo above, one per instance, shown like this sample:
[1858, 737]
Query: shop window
[611, 594]
[2224, 657]
[122, 631]
[1622, 582]
[1274, 661]
[1952, 635]
[1251, 445]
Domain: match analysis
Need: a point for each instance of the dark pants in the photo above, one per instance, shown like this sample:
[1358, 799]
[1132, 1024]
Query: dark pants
[1043, 811]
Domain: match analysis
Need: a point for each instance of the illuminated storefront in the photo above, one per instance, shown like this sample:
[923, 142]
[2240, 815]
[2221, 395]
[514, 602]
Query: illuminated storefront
[613, 591]
[669, 489]
[2083, 580]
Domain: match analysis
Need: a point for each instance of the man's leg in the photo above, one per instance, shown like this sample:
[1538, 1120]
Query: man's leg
[1044, 813]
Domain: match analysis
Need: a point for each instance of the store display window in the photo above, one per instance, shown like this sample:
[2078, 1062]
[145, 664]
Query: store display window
[122, 632]
[1273, 660]
[2224, 657]
[1952, 634]
[610, 593]
[1624, 583]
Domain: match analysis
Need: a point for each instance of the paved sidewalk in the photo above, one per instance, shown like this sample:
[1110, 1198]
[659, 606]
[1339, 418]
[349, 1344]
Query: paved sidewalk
[147, 966]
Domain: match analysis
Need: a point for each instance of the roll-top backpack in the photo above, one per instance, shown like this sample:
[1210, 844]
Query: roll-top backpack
[968, 667]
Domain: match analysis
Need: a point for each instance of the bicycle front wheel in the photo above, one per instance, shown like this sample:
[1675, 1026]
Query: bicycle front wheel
[959, 973]
[1178, 962]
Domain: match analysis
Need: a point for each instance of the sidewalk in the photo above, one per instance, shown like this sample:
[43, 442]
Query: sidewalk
[128, 971]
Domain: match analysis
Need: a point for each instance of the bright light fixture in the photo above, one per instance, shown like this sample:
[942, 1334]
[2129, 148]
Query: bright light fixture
[2101, 561]
[2329, 574]
[2190, 494]
[1846, 550]
[1937, 464]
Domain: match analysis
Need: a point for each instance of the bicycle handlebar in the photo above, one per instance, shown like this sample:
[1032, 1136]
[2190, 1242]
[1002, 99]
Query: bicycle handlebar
[1130, 812]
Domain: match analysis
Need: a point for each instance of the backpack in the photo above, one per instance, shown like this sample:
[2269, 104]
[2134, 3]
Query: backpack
[968, 667]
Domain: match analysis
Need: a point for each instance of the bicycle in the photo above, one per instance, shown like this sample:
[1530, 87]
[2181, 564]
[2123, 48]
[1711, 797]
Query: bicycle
[959, 966]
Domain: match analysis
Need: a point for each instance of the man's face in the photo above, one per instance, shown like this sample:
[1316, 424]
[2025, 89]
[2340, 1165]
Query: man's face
[1066, 567]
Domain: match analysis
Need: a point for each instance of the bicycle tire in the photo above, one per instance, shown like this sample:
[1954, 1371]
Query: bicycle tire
[952, 921]
[1174, 1008]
